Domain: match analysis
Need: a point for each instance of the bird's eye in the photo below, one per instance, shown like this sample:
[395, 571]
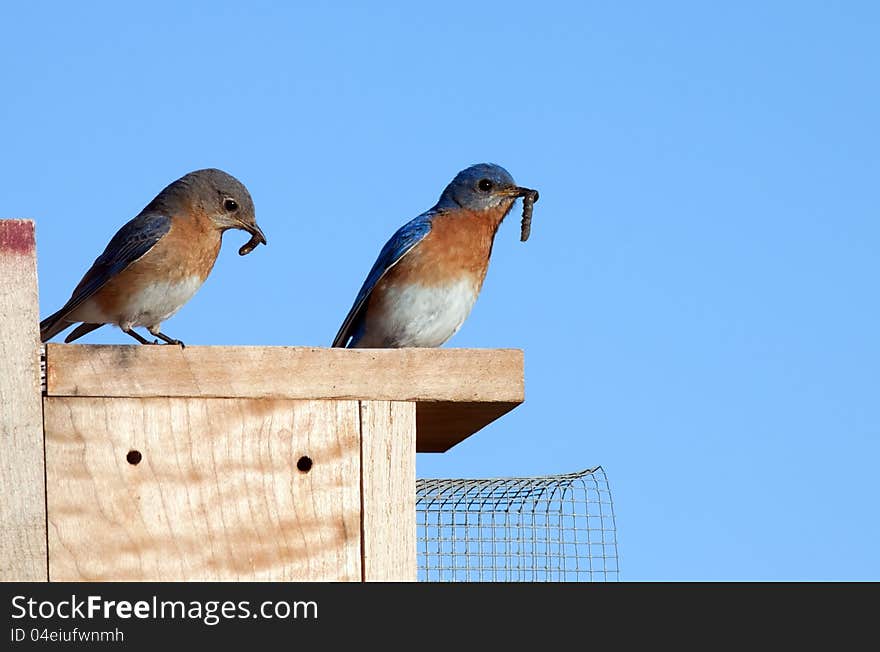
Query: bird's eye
[485, 185]
[230, 205]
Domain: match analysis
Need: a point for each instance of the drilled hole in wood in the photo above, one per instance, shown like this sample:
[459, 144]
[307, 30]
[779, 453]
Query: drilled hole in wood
[134, 457]
[304, 464]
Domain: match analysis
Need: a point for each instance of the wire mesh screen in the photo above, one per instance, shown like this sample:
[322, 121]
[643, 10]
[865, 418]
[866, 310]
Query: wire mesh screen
[555, 528]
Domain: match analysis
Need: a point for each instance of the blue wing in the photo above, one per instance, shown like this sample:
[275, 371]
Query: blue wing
[406, 237]
[131, 242]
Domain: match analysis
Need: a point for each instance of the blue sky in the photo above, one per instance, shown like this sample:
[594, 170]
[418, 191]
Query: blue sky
[698, 300]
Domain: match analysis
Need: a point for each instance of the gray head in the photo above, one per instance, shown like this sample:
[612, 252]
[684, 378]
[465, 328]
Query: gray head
[218, 195]
[481, 187]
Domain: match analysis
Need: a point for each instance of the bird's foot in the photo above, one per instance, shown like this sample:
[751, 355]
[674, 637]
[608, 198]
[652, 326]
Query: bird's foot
[136, 336]
[168, 340]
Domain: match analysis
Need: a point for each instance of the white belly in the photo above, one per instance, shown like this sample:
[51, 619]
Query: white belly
[150, 306]
[416, 315]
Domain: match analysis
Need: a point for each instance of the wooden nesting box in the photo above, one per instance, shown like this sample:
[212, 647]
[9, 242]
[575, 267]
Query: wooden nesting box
[220, 463]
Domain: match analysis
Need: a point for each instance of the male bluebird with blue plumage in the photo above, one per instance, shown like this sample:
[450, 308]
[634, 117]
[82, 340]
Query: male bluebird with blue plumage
[158, 260]
[428, 275]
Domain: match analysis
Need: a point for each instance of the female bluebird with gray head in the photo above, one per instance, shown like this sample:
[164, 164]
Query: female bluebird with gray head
[428, 275]
[157, 261]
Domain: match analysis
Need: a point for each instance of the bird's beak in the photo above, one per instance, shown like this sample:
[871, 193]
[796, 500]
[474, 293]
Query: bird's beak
[256, 232]
[519, 191]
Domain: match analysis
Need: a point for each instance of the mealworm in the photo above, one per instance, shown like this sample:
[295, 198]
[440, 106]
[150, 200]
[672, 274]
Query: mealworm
[529, 200]
[249, 246]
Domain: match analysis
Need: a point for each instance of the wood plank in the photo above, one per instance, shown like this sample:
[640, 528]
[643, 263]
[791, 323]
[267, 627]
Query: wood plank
[442, 425]
[474, 375]
[457, 391]
[216, 495]
[388, 477]
[22, 488]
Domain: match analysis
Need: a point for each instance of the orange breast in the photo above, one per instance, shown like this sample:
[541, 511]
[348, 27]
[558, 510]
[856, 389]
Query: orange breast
[458, 245]
[189, 249]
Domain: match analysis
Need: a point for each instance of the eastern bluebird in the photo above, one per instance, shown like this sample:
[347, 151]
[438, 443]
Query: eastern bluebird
[157, 261]
[428, 275]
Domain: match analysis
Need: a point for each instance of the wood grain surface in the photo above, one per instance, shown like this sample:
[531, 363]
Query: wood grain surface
[215, 494]
[22, 489]
[388, 433]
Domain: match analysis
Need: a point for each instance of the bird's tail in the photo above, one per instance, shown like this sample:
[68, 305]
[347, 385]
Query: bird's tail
[53, 324]
[81, 330]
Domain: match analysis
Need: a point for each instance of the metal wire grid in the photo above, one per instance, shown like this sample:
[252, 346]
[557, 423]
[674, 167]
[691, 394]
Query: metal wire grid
[555, 528]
